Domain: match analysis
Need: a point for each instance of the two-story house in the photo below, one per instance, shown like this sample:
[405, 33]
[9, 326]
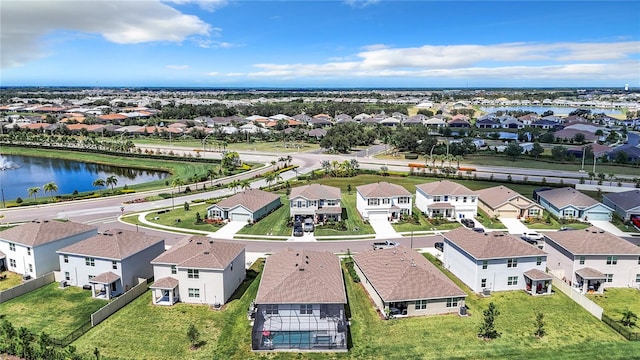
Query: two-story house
[30, 248]
[198, 270]
[110, 262]
[300, 304]
[320, 202]
[593, 259]
[383, 201]
[495, 261]
[446, 199]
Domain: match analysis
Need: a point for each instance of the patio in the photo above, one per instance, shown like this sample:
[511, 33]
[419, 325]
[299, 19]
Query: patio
[105, 286]
[165, 291]
[537, 282]
[589, 281]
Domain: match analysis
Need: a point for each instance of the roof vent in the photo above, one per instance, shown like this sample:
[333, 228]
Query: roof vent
[601, 231]
[401, 259]
[199, 242]
[210, 241]
[207, 253]
[306, 262]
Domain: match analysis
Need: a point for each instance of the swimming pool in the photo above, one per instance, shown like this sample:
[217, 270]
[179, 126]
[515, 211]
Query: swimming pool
[295, 339]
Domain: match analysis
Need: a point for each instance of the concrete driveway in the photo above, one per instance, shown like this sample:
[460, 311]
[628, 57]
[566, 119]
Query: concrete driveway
[514, 226]
[608, 227]
[229, 230]
[383, 229]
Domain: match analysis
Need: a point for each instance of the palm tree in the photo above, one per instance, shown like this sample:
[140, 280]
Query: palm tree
[99, 183]
[611, 176]
[111, 181]
[289, 159]
[177, 182]
[33, 191]
[245, 184]
[270, 178]
[50, 187]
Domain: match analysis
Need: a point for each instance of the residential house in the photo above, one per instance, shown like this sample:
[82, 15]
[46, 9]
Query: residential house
[319, 202]
[626, 204]
[198, 270]
[383, 201]
[300, 303]
[495, 261]
[401, 281]
[500, 201]
[569, 203]
[30, 248]
[459, 123]
[446, 199]
[250, 205]
[110, 263]
[592, 259]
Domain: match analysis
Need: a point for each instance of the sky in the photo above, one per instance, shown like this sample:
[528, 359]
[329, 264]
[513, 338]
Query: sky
[330, 43]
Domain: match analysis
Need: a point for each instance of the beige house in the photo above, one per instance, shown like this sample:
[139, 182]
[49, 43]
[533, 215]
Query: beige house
[592, 260]
[198, 270]
[500, 201]
[320, 202]
[300, 303]
[401, 282]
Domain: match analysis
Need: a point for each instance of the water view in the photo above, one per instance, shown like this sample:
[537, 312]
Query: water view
[557, 110]
[19, 173]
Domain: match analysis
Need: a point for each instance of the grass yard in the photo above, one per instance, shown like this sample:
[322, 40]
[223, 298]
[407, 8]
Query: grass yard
[616, 300]
[262, 146]
[488, 222]
[187, 218]
[273, 224]
[424, 224]
[353, 221]
[12, 280]
[55, 311]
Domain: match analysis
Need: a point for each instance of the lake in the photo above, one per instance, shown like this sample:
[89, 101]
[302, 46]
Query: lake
[556, 109]
[19, 173]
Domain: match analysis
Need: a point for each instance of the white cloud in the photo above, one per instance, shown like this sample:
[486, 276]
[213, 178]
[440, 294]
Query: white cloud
[617, 60]
[26, 23]
[213, 73]
[177, 67]
[360, 3]
[214, 44]
[209, 5]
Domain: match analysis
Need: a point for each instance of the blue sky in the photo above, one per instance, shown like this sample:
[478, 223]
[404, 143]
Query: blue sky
[236, 43]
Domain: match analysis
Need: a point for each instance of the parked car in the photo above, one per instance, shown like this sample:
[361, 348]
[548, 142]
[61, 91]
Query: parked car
[439, 246]
[384, 245]
[532, 235]
[469, 223]
[478, 229]
[297, 229]
[308, 225]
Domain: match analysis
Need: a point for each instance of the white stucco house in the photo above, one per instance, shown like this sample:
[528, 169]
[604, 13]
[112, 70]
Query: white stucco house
[495, 261]
[447, 199]
[198, 270]
[110, 262]
[250, 205]
[592, 259]
[320, 202]
[383, 201]
[30, 248]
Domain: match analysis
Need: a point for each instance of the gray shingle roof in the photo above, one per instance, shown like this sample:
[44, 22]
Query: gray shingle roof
[42, 232]
[165, 283]
[563, 197]
[444, 187]
[105, 278]
[590, 273]
[625, 200]
[491, 245]
[200, 252]
[302, 277]
[401, 274]
[252, 199]
[535, 274]
[498, 195]
[382, 189]
[592, 241]
[113, 244]
[316, 192]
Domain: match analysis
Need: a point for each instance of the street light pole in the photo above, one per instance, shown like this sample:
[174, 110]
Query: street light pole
[584, 148]
[594, 162]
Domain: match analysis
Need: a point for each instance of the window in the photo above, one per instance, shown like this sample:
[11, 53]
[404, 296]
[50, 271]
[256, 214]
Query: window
[331, 203]
[421, 304]
[89, 261]
[464, 199]
[91, 277]
[582, 260]
[638, 278]
[12, 263]
[485, 263]
[193, 274]
[473, 199]
[609, 278]
[638, 260]
[612, 260]
[28, 251]
[403, 200]
[30, 268]
[65, 258]
[194, 293]
[67, 276]
[511, 263]
[12, 247]
[452, 302]
[534, 212]
[483, 283]
[306, 309]
[231, 266]
[114, 265]
[173, 269]
[386, 201]
[512, 280]
[539, 260]
[271, 309]
[373, 202]
[436, 199]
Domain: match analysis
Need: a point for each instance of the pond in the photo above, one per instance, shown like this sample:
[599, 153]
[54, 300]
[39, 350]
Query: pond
[557, 110]
[19, 173]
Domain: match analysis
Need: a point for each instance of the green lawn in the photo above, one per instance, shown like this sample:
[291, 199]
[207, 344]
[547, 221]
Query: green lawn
[12, 280]
[260, 146]
[616, 300]
[55, 311]
[424, 224]
[354, 223]
[273, 224]
[488, 222]
[187, 218]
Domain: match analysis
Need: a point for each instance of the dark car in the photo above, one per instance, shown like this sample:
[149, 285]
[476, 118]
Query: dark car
[478, 229]
[468, 223]
[439, 246]
[297, 229]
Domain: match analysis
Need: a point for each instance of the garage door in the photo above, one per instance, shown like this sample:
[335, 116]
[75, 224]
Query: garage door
[509, 214]
[598, 216]
[378, 216]
[240, 217]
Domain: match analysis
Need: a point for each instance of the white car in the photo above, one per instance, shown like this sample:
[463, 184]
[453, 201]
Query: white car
[532, 235]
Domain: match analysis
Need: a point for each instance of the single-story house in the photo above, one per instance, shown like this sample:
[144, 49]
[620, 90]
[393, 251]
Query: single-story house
[30, 248]
[320, 202]
[300, 304]
[401, 281]
[111, 262]
[447, 199]
[593, 259]
[626, 204]
[250, 205]
[495, 261]
[500, 201]
[569, 203]
[198, 270]
[383, 201]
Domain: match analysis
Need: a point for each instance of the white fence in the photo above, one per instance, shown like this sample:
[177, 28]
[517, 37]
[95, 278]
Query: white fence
[26, 287]
[582, 300]
[117, 304]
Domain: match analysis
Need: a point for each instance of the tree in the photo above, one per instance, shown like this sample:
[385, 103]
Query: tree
[177, 182]
[50, 187]
[513, 150]
[579, 138]
[559, 153]
[601, 177]
[349, 189]
[33, 191]
[611, 177]
[384, 170]
[99, 183]
[488, 327]
[628, 318]
[193, 335]
[186, 206]
[270, 178]
[536, 150]
[96, 353]
[540, 331]
[245, 184]
[111, 181]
